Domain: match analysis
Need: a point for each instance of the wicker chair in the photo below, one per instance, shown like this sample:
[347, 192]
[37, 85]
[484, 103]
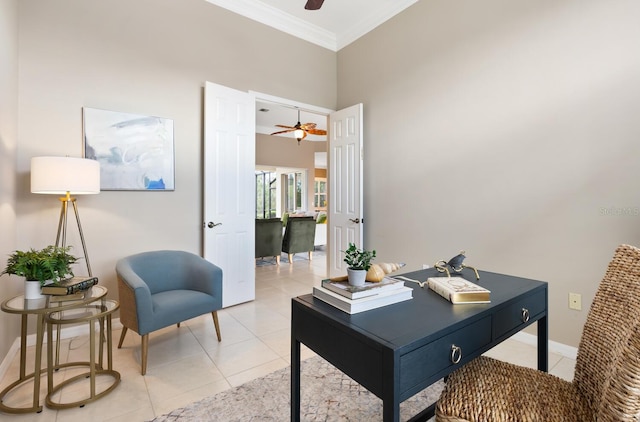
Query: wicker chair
[606, 384]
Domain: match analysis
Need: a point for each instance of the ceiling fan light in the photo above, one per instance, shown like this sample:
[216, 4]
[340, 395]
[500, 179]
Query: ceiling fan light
[299, 134]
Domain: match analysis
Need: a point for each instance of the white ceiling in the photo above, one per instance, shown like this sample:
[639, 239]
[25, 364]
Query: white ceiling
[279, 114]
[337, 24]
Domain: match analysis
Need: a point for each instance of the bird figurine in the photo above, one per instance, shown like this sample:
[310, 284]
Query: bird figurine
[456, 264]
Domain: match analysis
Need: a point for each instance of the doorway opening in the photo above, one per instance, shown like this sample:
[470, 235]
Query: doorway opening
[298, 172]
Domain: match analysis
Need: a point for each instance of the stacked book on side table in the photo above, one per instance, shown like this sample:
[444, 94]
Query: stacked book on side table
[352, 299]
[70, 288]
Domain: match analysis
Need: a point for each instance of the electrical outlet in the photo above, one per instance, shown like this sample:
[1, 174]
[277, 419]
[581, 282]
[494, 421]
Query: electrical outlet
[575, 301]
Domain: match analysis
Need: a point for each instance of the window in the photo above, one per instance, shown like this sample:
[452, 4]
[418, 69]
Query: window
[266, 199]
[320, 198]
[295, 191]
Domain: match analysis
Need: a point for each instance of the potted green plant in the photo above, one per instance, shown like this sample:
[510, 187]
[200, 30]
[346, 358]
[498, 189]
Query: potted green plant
[53, 263]
[358, 263]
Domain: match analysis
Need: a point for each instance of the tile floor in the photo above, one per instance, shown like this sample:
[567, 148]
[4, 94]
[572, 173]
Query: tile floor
[186, 364]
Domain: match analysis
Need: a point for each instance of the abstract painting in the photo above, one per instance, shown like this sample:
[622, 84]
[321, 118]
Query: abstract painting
[135, 152]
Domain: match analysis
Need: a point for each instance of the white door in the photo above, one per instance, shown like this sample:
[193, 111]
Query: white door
[229, 186]
[345, 186]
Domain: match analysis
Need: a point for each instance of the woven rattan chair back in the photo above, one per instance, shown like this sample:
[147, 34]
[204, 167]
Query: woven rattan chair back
[607, 369]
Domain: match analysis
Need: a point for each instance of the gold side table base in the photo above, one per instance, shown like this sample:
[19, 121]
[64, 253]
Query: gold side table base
[90, 313]
[81, 377]
[19, 410]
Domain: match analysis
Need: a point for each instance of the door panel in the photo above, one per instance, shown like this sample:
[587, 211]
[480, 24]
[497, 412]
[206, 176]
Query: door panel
[229, 186]
[345, 186]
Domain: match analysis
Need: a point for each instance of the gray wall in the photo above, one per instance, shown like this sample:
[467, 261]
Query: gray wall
[8, 140]
[147, 57]
[509, 129]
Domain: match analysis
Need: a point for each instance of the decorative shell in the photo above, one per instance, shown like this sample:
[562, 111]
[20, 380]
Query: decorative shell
[377, 271]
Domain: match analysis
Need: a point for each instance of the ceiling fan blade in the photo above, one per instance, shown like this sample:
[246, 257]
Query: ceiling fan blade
[308, 126]
[313, 4]
[282, 131]
[286, 127]
[316, 132]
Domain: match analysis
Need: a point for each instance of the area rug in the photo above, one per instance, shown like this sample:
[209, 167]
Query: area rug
[326, 395]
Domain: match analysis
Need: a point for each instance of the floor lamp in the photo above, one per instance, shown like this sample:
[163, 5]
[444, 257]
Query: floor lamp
[66, 176]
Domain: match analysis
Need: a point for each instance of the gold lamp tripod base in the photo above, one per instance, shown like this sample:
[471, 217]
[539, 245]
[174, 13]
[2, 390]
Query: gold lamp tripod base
[61, 238]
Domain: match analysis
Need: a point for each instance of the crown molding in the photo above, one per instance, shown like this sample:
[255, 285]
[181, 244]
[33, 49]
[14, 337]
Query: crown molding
[277, 19]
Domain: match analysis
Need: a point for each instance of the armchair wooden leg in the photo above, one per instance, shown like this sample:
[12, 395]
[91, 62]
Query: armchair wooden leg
[124, 333]
[290, 258]
[178, 325]
[145, 348]
[310, 255]
[214, 314]
[278, 260]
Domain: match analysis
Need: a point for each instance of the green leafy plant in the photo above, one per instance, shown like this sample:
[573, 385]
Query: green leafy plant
[358, 259]
[50, 263]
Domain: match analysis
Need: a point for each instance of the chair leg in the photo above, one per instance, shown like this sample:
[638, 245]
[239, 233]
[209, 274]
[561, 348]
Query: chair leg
[290, 258]
[178, 325]
[214, 314]
[145, 349]
[310, 255]
[277, 259]
[124, 333]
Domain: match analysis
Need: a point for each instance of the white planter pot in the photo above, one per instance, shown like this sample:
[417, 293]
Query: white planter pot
[32, 290]
[356, 277]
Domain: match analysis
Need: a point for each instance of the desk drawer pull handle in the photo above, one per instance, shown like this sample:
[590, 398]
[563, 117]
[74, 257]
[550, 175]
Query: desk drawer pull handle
[525, 315]
[456, 353]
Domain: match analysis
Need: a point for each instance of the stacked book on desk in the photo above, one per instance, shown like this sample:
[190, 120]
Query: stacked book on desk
[352, 299]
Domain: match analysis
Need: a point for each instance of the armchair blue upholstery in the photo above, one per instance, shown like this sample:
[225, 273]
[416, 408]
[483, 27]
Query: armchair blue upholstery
[161, 288]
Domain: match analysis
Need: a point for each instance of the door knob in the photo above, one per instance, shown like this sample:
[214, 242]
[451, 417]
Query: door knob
[211, 224]
[357, 220]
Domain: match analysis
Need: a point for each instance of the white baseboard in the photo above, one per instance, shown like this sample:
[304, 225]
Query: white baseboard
[67, 332]
[554, 347]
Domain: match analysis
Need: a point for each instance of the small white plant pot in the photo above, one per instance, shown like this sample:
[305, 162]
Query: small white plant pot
[32, 290]
[356, 277]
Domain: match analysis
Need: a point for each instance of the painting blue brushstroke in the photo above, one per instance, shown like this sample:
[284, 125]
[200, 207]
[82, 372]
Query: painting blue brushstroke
[155, 184]
[135, 152]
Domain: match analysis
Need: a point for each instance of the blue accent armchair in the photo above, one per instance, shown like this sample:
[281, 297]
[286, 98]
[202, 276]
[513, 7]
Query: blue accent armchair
[161, 288]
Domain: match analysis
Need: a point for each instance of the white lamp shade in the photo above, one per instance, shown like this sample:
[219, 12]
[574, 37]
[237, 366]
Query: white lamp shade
[59, 175]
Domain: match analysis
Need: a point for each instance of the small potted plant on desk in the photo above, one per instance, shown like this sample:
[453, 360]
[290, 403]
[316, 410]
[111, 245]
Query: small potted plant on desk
[39, 268]
[359, 262]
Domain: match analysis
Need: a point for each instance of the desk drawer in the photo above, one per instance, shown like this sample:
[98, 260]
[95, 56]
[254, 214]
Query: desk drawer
[426, 361]
[512, 317]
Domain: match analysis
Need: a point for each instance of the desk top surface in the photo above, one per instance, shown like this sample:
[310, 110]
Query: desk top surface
[427, 315]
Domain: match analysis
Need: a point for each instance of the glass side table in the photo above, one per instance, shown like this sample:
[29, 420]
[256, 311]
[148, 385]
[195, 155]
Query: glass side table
[39, 308]
[97, 311]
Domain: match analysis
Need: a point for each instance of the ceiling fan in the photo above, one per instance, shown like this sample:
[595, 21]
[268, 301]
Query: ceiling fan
[313, 4]
[301, 130]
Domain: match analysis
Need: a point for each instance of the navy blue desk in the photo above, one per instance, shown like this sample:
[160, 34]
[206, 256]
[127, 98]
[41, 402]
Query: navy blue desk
[398, 350]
